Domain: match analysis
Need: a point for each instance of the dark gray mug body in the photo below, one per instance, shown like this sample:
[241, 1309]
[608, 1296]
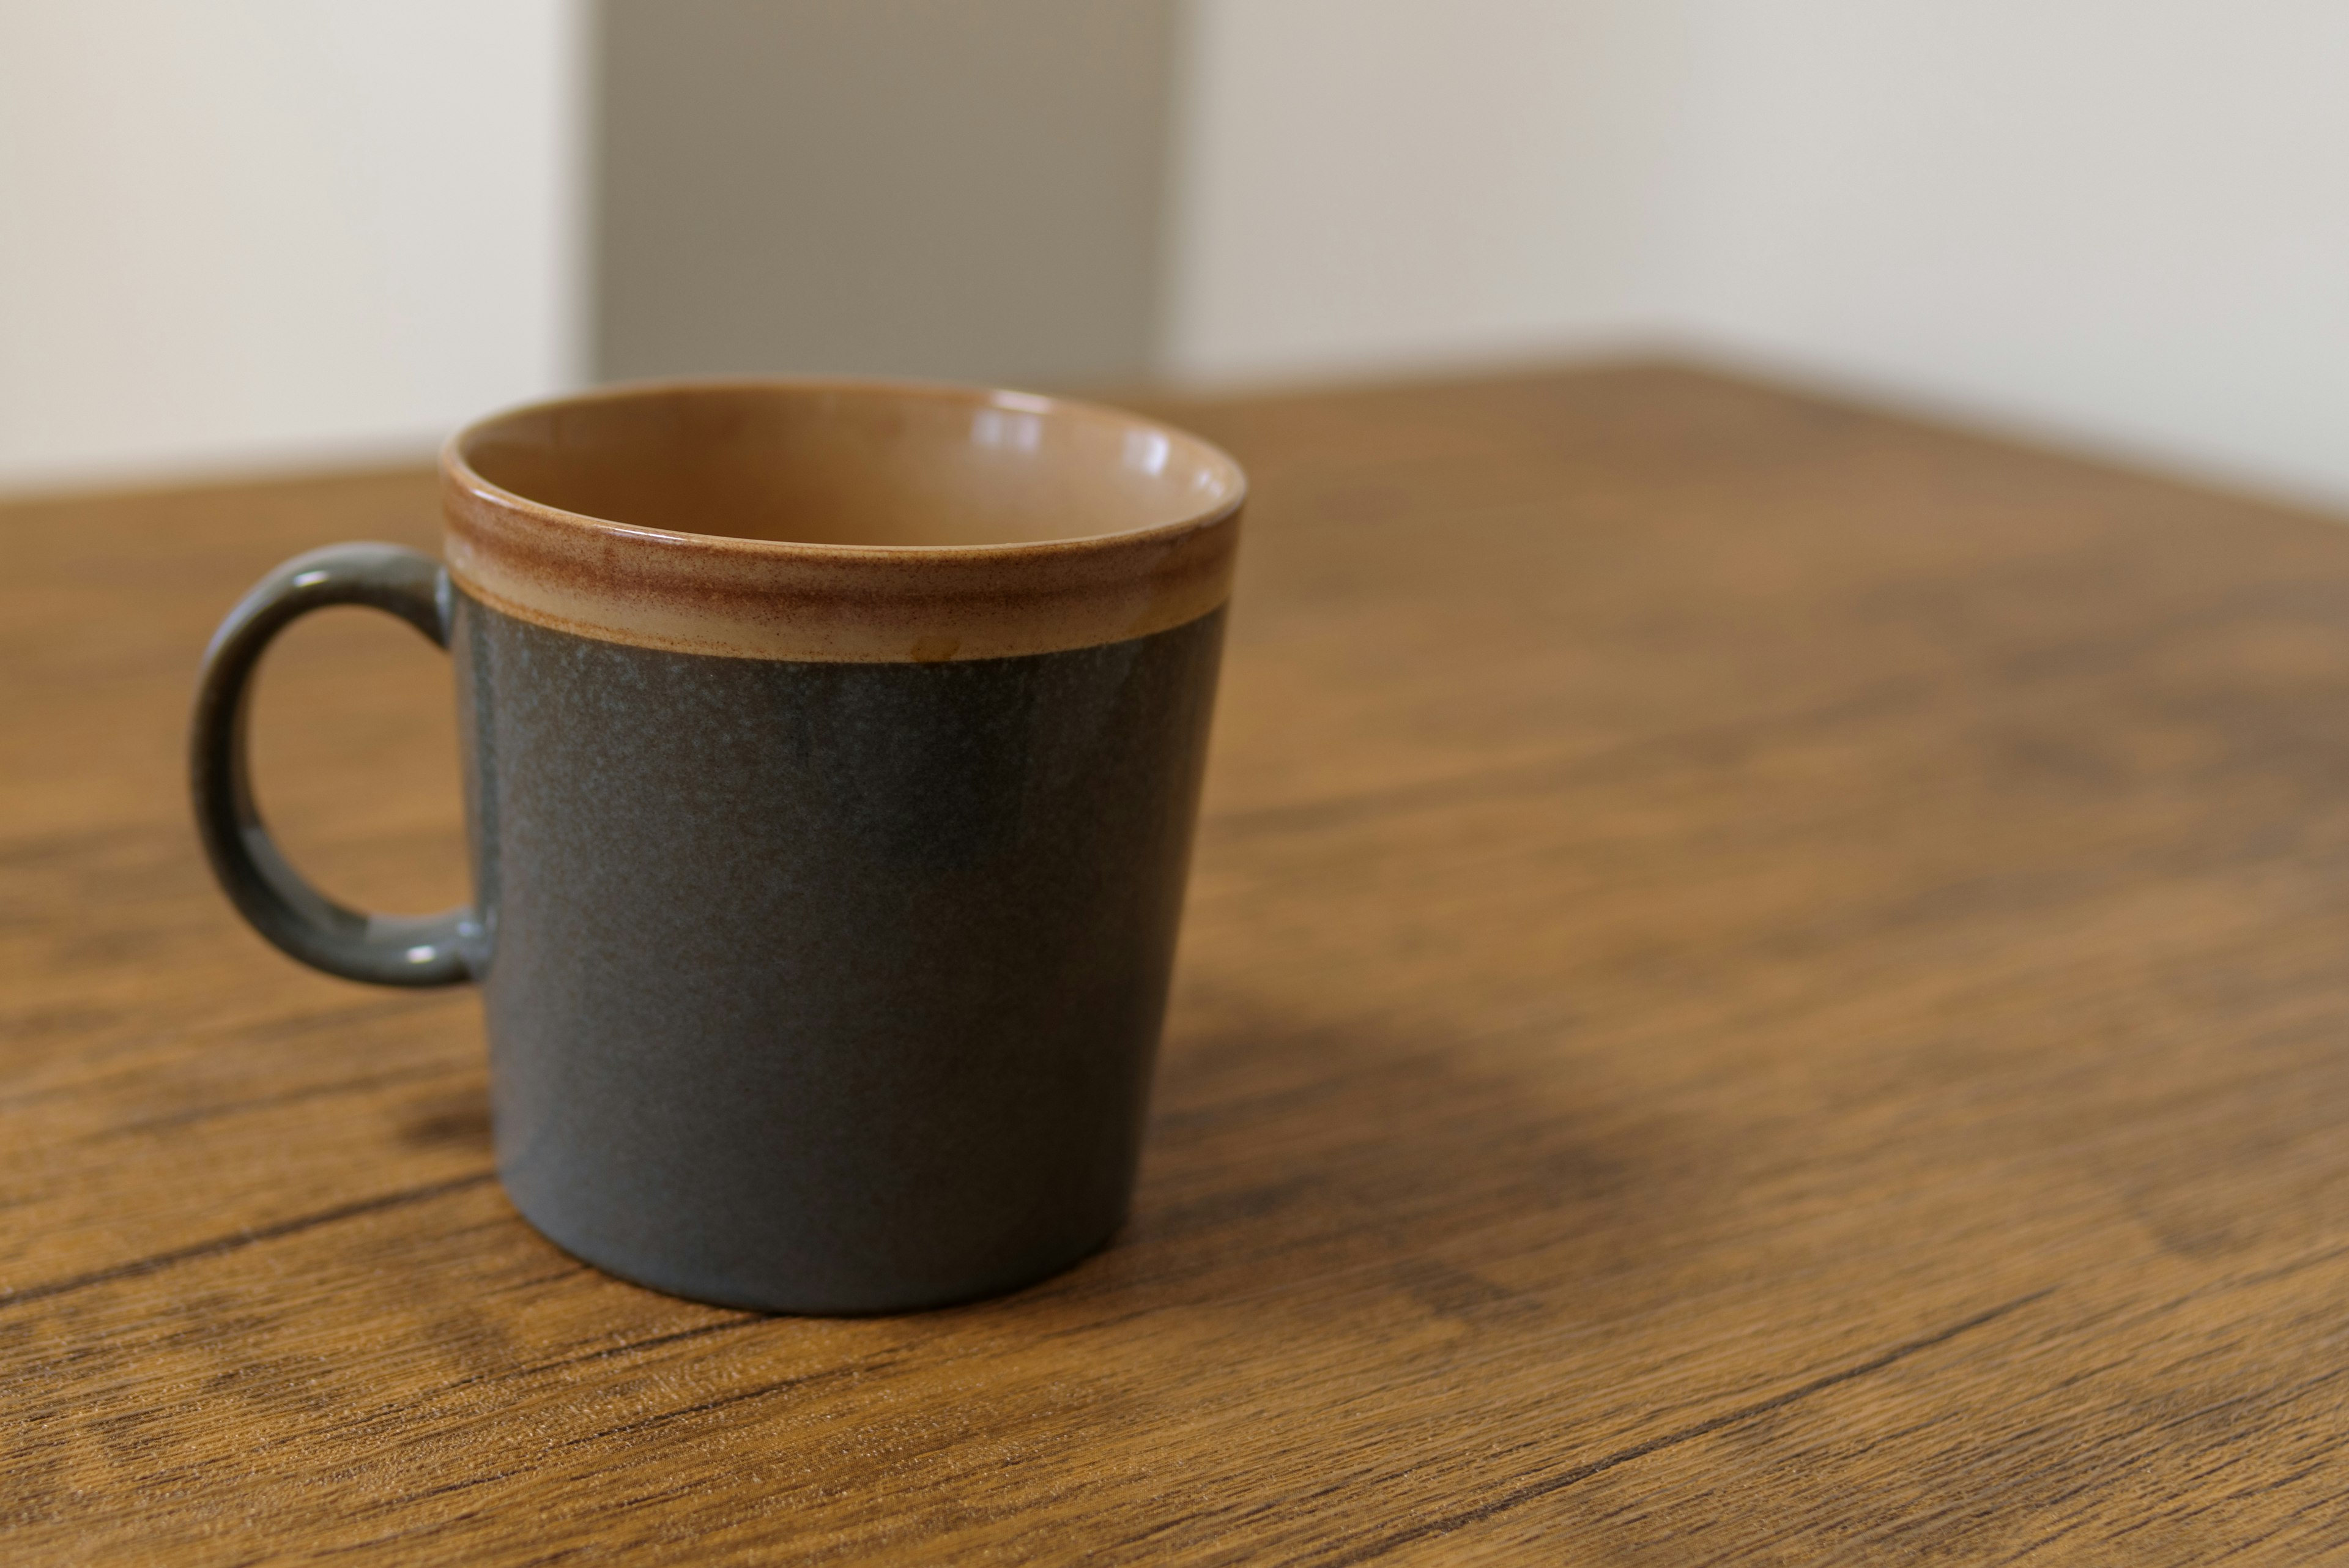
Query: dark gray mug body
[830, 758]
[826, 987]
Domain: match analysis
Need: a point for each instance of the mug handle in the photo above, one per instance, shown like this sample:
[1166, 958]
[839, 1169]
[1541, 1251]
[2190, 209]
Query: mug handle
[387, 949]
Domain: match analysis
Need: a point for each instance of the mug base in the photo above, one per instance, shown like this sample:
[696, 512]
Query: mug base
[782, 1298]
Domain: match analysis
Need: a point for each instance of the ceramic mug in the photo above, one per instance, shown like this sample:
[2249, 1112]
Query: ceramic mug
[830, 756]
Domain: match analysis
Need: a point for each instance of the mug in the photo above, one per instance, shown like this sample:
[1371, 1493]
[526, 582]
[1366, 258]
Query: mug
[830, 757]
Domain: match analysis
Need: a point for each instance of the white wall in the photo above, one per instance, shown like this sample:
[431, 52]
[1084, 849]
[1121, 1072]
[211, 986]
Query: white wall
[254, 230]
[2122, 221]
[1368, 184]
[259, 231]
[2119, 221]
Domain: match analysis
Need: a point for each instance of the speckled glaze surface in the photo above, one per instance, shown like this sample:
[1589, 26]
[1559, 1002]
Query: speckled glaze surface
[832, 753]
[829, 987]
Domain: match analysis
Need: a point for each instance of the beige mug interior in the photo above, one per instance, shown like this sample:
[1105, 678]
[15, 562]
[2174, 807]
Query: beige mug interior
[869, 464]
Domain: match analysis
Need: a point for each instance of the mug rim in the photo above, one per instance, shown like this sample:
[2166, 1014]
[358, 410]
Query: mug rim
[841, 602]
[458, 469]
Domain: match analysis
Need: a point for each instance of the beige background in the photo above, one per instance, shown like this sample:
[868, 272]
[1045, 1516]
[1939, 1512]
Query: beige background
[256, 232]
[895, 187]
[248, 232]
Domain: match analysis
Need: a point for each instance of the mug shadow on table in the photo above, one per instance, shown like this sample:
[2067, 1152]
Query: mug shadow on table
[454, 1123]
[1344, 1158]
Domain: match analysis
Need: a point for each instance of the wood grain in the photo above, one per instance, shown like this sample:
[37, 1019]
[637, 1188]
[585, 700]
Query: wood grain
[1763, 984]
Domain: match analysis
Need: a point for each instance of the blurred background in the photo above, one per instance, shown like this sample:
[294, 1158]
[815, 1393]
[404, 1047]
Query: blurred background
[262, 232]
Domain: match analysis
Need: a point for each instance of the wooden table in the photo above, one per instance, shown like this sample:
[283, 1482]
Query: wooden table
[1763, 984]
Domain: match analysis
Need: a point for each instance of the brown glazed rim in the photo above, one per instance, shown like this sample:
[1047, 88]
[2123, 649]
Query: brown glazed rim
[779, 600]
